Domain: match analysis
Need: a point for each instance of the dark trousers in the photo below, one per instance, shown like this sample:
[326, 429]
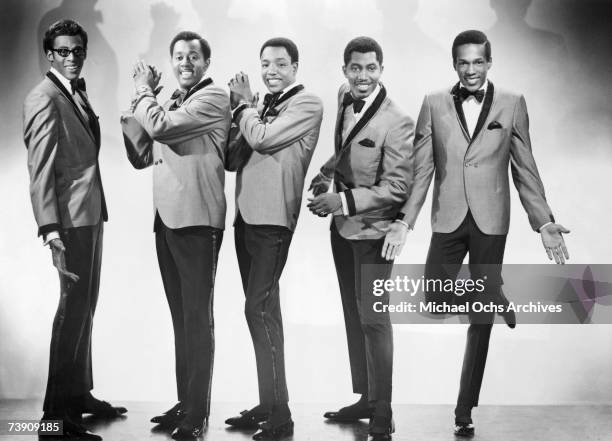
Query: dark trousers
[188, 263]
[446, 254]
[70, 373]
[369, 334]
[262, 253]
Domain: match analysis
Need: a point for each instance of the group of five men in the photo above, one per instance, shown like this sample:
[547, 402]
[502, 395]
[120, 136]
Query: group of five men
[381, 170]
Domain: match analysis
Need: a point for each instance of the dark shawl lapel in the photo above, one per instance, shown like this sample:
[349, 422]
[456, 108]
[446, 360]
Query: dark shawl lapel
[94, 128]
[484, 111]
[367, 116]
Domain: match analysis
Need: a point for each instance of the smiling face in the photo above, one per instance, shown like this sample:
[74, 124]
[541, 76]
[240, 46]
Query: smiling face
[277, 69]
[363, 73]
[472, 66]
[188, 63]
[70, 67]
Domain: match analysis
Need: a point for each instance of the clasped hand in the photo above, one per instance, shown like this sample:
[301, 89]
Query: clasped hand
[324, 204]
[145, 75]
[240, 91]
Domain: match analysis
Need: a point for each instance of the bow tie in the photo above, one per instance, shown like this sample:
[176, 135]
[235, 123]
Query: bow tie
[178, 93]
[464, 94]
[271, 98]
[357, 103]
[78, 84]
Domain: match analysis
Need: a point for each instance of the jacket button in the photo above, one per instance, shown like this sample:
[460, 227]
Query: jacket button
[161, 160]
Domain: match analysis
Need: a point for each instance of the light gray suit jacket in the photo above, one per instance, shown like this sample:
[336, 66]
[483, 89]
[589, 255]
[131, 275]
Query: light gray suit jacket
[65, 184]
[186, 146]
[269, 185]
[472, 173]
[373, 166]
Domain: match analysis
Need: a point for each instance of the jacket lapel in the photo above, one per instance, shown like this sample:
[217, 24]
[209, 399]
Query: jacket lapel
[459, 111]
[78, 113]
[338, 129]
[484, 112]
[200, 85]
[365, 119]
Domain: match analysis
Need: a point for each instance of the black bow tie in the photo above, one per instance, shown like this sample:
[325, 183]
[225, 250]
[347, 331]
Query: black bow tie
[271, 98]
[78, 84]
[178, 93]
[357, 103]
[464, 94]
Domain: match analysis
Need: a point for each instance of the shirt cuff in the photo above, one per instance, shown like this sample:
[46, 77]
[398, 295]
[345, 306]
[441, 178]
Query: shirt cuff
[544, 226]
[345, 210]
[50, 236]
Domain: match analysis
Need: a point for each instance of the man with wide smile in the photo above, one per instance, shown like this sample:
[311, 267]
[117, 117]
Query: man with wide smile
[184, 140]
[62, 135]
[468, 136]
[270, 148]
[372, 172]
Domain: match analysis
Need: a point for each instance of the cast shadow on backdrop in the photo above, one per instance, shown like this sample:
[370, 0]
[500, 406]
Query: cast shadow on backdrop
[412, 59]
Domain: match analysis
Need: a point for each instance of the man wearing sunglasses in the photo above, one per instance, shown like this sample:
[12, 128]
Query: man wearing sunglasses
[62, 135]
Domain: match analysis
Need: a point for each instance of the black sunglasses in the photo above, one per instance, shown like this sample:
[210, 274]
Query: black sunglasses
[64, 52]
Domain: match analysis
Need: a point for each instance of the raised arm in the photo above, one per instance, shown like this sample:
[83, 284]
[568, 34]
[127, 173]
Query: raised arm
[303, 114]
[138, 143]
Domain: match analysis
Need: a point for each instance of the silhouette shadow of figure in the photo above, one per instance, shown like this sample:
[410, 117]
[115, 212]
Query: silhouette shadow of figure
[226, 23]
[165, 27]
[101, 70]
[411, 58]
[539, 53]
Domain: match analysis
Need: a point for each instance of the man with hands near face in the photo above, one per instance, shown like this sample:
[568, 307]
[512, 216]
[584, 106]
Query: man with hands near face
[467, 136]
[372, 174]
[270, 147]
[184, 140]
[62, 135]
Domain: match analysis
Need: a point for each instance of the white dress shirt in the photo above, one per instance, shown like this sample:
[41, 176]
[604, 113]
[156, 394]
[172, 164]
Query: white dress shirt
[472, 108]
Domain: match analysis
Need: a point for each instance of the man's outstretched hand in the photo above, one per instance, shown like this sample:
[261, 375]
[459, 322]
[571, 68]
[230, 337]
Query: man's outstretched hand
[59, 259]
[394, 240]
[553, 242]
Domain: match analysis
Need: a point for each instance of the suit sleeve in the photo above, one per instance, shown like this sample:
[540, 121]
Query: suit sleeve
[396, 178]
[423, 165]
[138, 143]
[202, 114]
[525, 172]
[238, 151]
[41, 137]
[303, 114]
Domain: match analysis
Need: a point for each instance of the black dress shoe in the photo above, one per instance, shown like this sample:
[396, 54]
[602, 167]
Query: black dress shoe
[269, 431]
[171, 418]
[72, 430]
[350, 414]
[508, 316]
[188, 431]
[248, 419]
[381, 424]
[464, 429]
[101, 409]
[381, 428]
